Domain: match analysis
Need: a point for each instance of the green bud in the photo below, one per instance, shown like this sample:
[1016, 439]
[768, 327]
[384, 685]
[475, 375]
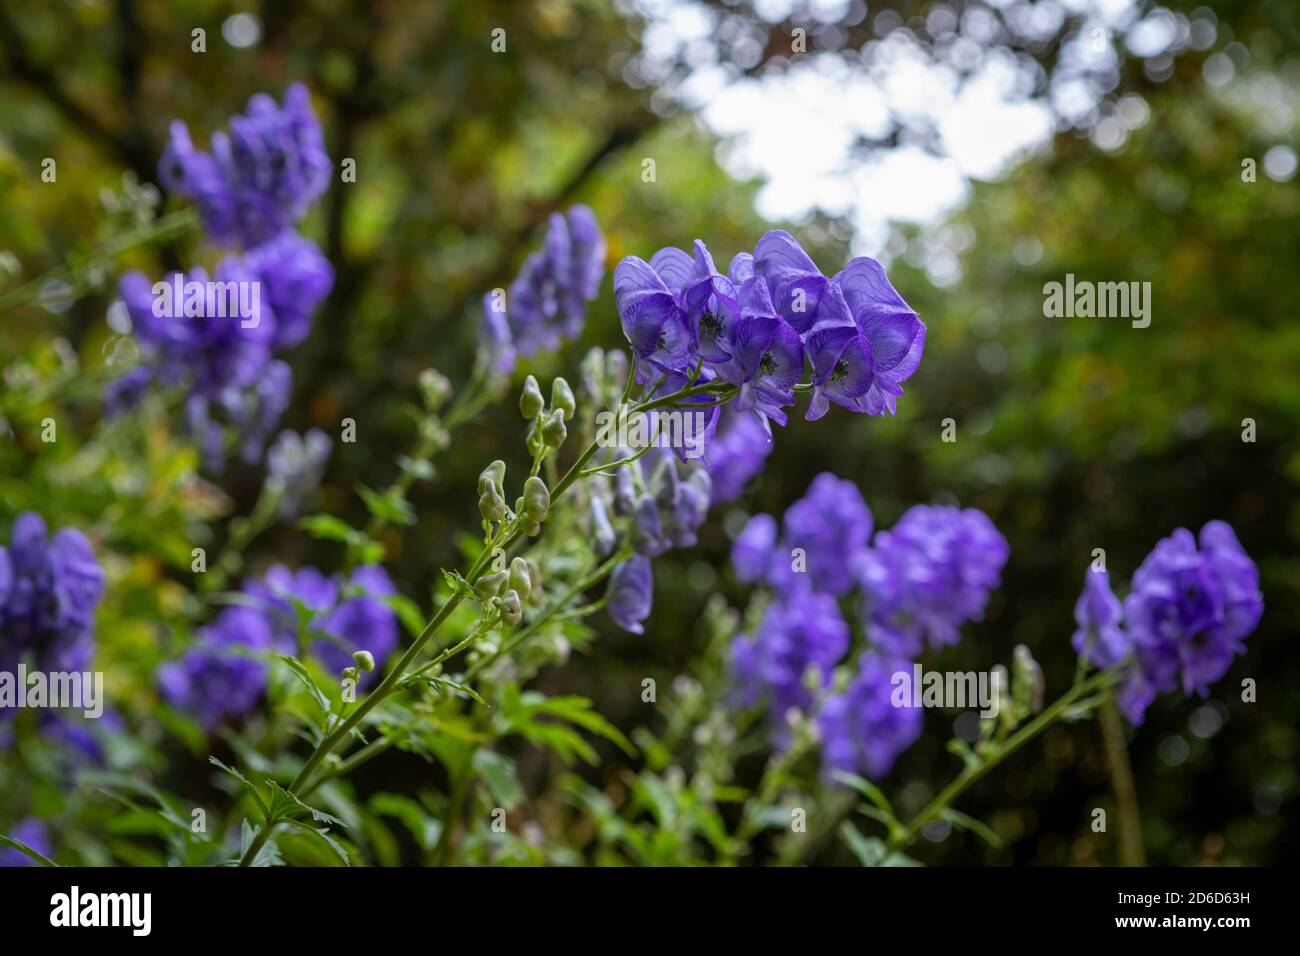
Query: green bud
[535, 593]
[490, 504]
[1028, 681]
[434, 388]
[365, 660]
[494, 473]
[562, 398]
[489, 584]
[536, 502]
[531, 402]
[350, 673]
[511, 609]
[553, 431]
[520, 579]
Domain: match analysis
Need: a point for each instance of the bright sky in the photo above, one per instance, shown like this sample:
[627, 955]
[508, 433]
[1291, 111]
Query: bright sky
[796, 129]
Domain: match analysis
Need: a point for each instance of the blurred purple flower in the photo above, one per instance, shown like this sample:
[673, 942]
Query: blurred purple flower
[735, 453]
[630, 594]
[928, 575]
[799, 632]
[1187, 614]
[295, 464]
[30, 831]
[1099, 615]
[259, 178]
[862, 732]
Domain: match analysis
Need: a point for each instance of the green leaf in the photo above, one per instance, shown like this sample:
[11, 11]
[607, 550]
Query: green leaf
[300, 671]
[284, 804]
[387, 506]
[869, 790]
[868, 850]
[23, 848]
[246, 783]
[324, 836]
[977, 827]
[269, 855]
[960, 748]
[498, 773]
[328, 528]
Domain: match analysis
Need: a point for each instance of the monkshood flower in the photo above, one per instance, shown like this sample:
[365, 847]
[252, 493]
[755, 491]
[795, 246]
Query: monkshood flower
[662, 502]
[343, 616]
[759, 325]
[547, 302]
[822, 536]
[223, 678]
[295, 464]
[295, 278]
[225, 675]
[630, 595]
[259, 178]
[928, 575]
[735, 453]
[31, 832]
[50, 587]
[800, 635]
[861, 730]
[1191, 605]
[1099, 615]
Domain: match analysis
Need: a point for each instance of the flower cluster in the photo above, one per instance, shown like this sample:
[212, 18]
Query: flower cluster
[294, 465]
[284, 612]
[50, 587]
[735, 452]
[547, 302]
[662, 503]
[923, 579]
[1186, 615]
[219, 340]
[260, 178]
[759, 327]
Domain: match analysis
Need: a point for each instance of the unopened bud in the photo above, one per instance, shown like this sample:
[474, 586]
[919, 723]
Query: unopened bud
[490, 504]
[554, 432]
[494, 473]
[537, 499]
[531, 402]
[435, 388]
[364, 660]
[489, 584]
[511, 609]
[562, 398]
[520, 579]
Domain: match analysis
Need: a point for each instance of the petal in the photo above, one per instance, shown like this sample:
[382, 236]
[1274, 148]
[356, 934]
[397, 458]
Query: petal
[675, 267]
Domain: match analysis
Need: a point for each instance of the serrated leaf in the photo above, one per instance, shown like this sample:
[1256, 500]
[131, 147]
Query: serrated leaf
[304, 676]
[245, 782]
[268, 855]
[324, 836]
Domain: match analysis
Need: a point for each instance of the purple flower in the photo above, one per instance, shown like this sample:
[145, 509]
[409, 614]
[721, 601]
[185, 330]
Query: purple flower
[50, 588]
[362, 621]
[259, 178]
[1098, 613]
[830, 524]
[547, 302]
[295, 279]
[928, 575]
[630, 594]
[31, 832]
[1187, 614]
[735, 453]
[889, 325]
[796, 285]
[754, 549]
[295, 464]
[802, 634]
[652, 320]
[862, 732]
[767, 357]
[842, 366]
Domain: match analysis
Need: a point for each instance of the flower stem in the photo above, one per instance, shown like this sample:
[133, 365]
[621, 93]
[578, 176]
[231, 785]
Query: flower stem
[972, 775]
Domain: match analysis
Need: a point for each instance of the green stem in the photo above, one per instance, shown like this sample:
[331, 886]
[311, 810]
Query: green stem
[1121, 778]
[392, 681]
[972, 775]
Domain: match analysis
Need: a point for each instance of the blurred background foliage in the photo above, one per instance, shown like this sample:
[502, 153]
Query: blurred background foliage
[1072, 434]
